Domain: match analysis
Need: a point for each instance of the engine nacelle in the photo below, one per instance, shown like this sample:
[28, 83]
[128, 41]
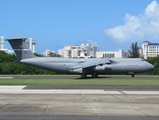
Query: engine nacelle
[76, 70]
[103, 68]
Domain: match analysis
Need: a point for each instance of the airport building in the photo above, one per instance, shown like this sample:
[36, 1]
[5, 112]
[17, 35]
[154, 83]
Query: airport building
[149, 49]
[112, 54]
[74, 51]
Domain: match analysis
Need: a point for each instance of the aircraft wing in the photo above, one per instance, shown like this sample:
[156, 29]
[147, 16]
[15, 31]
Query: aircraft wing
[91, 63]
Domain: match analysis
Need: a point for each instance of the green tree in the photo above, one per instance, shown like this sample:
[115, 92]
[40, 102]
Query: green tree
[134, 51]
[38, 55]
[8, 65]
[154, 61]
[4, 57]
[58, 55]
[51, 54]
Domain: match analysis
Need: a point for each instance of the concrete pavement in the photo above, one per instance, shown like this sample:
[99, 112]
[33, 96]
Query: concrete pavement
[18, 103]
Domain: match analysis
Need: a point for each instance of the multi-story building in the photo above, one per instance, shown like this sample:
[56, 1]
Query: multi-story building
[34, 47]
[71, 51]
[66, 51]
[149, 49]
[31, 45]
[112, 54]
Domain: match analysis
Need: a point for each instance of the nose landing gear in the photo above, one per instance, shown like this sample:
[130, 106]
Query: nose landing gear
[133, 75]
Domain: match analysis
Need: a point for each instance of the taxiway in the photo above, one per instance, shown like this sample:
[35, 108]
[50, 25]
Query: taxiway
[24, 103]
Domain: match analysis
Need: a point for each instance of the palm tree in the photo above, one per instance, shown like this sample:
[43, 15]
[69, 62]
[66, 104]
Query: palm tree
[134, 51]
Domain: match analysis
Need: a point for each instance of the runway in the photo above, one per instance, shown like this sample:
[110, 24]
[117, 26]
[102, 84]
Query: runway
[75, 77]
[24, 103]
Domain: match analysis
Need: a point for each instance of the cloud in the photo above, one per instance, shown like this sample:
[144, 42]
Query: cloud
[138, 28]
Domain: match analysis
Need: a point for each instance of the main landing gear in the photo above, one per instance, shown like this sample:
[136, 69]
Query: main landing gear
[94, 75]
[83, 75]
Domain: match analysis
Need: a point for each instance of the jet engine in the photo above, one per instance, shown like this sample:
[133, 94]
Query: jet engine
[77, 70]
[106, 67]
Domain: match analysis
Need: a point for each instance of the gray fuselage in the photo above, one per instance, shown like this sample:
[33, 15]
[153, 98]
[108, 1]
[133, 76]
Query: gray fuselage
[63, 65]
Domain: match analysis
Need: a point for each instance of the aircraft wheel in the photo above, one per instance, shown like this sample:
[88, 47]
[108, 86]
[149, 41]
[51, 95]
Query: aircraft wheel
[83, 75]
[95, 75]
[133, 75]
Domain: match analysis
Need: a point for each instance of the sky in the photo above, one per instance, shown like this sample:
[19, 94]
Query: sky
[110, 25]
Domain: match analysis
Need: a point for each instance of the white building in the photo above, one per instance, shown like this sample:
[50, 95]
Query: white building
[149, 49]
[32, 45]
[1, 42]
[66, 51]
[75, 52]
[71, 51]
[47, 52]
[112, 54]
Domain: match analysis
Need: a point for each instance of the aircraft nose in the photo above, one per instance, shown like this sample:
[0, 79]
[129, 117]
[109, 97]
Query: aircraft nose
[151, 67]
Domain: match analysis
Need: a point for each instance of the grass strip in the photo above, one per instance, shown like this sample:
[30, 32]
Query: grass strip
[78, 82]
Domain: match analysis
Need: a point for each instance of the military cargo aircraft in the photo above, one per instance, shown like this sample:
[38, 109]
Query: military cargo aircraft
[82, 66]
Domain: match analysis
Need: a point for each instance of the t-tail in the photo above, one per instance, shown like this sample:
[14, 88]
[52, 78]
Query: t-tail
[21, 48]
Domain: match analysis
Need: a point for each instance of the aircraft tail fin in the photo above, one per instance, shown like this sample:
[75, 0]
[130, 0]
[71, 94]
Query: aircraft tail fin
[21, 48]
